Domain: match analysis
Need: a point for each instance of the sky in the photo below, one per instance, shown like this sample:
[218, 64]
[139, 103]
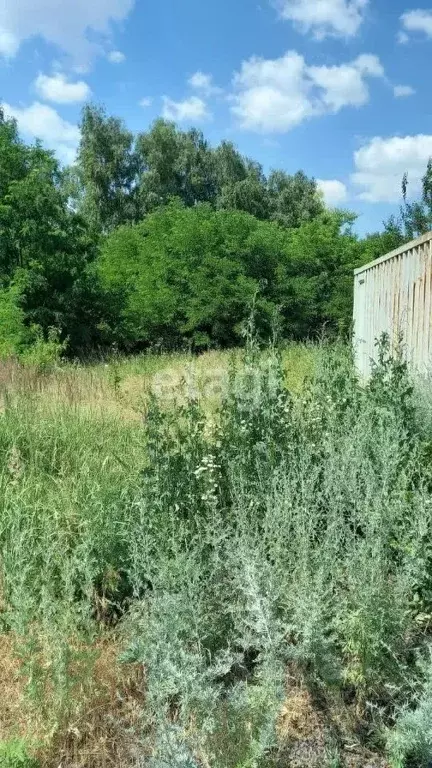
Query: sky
[337, 88]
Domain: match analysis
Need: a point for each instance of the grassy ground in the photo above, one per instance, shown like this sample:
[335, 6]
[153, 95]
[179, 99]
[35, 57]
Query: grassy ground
[218, 561]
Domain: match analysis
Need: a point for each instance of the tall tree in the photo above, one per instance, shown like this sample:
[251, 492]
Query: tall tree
[107, 169]
[248, 193]
[174, 163]
[231, 166]
[45, 247]
[417, 216]
[294, 200]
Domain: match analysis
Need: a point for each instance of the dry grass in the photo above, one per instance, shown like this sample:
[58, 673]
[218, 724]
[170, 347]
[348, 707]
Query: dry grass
[12, 721]
[121, 386]
[105, 735]
[314, 732]
[101, 730]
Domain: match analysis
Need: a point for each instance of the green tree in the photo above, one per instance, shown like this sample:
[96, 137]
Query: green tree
[29, 200]
[316, 282]
[107, 168]
[417, 216]
[164, 238]
[14, 335]
[294, 200]
[231, 166]
[249, 195]
[174, 163]
[377, 244]
[190, 274]
[45, 247]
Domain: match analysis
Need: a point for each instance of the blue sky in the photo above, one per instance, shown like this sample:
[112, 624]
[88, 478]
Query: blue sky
[339, 88]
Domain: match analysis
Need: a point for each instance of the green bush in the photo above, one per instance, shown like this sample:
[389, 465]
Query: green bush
[191, 274]
[44, 353]
[14, 754]
[410, 742]
[13, 333]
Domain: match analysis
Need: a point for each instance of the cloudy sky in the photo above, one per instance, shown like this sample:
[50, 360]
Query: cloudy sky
[339, 88]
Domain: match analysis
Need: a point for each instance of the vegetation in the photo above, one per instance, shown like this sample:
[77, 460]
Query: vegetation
[161, 239]
[206, 561]
[243, 579]
[194, 272]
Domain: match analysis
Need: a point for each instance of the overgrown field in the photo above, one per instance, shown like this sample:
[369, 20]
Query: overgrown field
[219, 562]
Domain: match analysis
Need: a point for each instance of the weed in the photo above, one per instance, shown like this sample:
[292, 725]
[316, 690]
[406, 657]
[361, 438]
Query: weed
[225, 537]
[14, 754]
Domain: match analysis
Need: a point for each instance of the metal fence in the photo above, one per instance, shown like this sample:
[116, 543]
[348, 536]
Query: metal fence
[394, 295]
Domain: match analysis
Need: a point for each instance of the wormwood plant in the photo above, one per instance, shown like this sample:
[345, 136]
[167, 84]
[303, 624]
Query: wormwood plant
[289, 529]
[281, 530]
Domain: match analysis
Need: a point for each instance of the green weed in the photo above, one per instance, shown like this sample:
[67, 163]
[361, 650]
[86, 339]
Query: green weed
[277, 530]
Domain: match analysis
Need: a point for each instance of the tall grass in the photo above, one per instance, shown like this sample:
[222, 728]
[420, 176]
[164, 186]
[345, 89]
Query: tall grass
[282, 534]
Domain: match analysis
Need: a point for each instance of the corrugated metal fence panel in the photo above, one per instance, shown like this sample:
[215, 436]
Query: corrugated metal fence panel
[394, 295]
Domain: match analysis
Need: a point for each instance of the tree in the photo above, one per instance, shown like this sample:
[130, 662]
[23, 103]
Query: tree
[174, 163]
[13, 333]
[242, 185]
[165, 239]
[107, 168]
[190, 274]
[249, 195]
[377, 244]
[294, 200]
[417, 216]
[316, 282]
[14, 157]
[231, 166]
[29, 202]
[45, 247]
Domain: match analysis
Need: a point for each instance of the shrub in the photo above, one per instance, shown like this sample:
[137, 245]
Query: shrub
[410, 742]
[44, 353]
[14, 754]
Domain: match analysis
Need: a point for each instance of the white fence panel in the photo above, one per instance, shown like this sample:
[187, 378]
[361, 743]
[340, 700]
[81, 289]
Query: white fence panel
[394, 295]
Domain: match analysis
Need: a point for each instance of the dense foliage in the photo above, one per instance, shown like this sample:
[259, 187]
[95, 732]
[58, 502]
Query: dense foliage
[160, 238]
[195, 273]
[245, 550]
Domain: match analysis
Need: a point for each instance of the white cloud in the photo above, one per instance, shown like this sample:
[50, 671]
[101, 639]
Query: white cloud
[381, 163]
[402, 38]
[334, 191]
[146, 102]
[345, 84]
[67, 24]
[201, 81]
[185, 111]
[401, 91]
[60, 91]
[325, 18]
[116, 57]
[9, 43]
[274, 95]
[204, 83]
[39, 121]
[418, 20]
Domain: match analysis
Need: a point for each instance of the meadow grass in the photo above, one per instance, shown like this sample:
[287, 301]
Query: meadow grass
[215, 561]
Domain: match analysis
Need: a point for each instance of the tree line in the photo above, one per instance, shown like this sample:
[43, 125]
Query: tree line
[160, 238]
